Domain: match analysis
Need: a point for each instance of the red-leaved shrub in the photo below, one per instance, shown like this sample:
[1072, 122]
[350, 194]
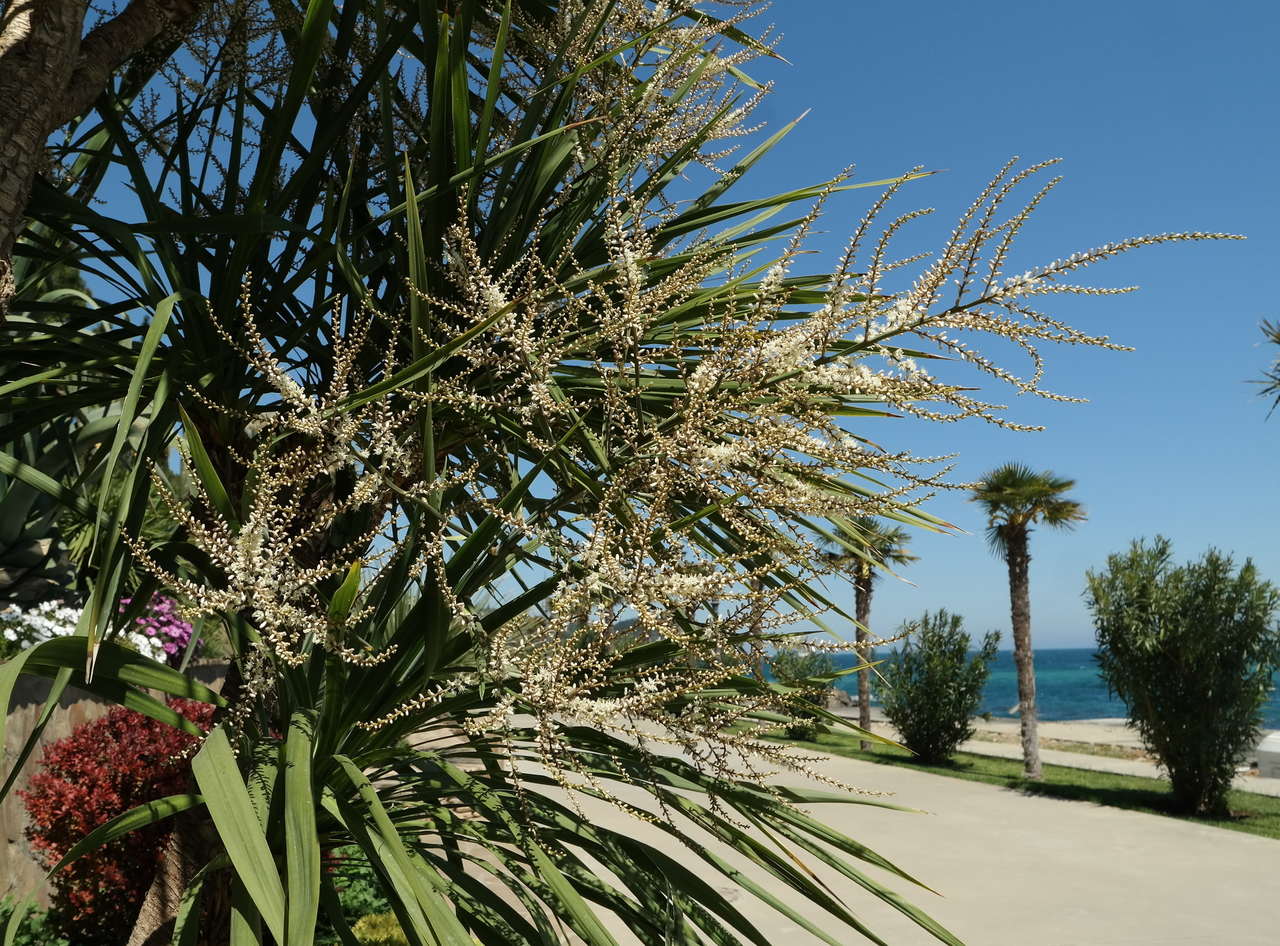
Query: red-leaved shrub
[104, 768]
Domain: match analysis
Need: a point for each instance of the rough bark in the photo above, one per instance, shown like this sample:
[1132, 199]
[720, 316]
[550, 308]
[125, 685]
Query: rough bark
[188, 849]
[1018, 558]
[862, 612]
[50, 72]
[39, 43]
[193, 844]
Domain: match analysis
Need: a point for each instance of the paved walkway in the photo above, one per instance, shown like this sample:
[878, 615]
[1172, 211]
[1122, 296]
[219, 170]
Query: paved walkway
[1018, 870]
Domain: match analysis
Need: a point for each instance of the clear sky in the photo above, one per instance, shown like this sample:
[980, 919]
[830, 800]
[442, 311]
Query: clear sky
[1168, 117]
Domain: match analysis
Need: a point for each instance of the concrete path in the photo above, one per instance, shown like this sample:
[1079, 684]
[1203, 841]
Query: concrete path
[1016, 870]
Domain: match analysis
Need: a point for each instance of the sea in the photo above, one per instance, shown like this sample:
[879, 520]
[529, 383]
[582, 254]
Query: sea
[1067, 687]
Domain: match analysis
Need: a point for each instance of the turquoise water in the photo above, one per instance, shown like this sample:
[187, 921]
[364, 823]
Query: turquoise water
[1067, 687]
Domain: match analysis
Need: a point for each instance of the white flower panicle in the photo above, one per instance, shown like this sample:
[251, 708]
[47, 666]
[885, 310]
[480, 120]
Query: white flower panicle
[650, 437]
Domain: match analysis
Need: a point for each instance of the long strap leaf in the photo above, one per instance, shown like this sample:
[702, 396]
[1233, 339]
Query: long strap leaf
[444, 925]
[227, 799]
[139, 817]
[301, 842]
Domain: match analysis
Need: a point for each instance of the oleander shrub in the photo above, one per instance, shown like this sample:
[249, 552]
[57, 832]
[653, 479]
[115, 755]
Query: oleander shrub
[33, 928]
[102, 769]
[1191, 649]
[931, 686]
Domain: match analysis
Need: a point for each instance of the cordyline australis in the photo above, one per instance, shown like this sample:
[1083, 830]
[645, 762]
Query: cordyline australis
[507, 469]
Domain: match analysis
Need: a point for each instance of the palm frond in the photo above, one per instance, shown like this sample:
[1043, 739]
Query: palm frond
[1271, 377]
[1016, 497]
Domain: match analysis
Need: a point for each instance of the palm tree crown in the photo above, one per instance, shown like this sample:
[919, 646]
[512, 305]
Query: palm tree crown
[869, 543]
[1271, 379]
[863, 545]
[1016, 497]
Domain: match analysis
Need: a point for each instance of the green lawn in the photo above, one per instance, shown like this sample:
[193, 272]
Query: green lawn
[1250, 812]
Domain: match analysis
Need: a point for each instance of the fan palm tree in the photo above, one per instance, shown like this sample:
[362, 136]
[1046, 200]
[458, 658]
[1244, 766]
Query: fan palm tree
[866, 546]
[1015, 498]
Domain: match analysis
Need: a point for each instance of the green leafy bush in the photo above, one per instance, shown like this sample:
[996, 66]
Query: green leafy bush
[379, 929]
[34, 928]
[931, 686]
[358, 888]
[804, 668]
[1191, 650]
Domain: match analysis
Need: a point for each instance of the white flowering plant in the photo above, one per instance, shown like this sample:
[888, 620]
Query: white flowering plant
[22, 627]
[157, 631]
[509, 469]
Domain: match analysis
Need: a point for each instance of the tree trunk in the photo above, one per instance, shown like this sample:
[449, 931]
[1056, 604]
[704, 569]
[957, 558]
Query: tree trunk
[49, 74]
[193, 844]
[1018, 558]
[39, 44]
[862, 612]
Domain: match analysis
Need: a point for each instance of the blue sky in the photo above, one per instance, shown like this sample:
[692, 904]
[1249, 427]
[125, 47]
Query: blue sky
[1167, 117]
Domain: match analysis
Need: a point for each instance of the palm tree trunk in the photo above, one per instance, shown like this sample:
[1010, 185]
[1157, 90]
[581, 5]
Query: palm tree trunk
[862, 612]
[1018, 558]
[192, 845]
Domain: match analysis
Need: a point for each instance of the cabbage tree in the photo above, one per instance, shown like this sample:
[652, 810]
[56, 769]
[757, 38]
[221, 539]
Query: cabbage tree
[480, 406]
